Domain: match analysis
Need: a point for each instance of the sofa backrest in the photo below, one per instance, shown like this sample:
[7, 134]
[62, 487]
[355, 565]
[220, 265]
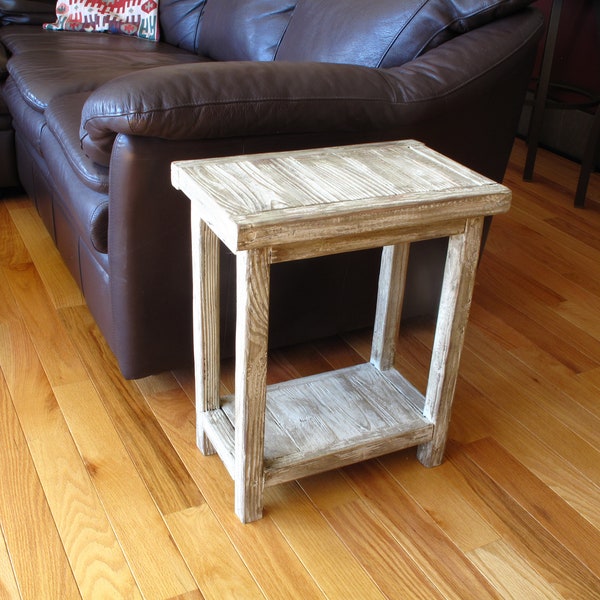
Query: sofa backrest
[244, 29]
[382, 33]
[374, 33]
[180, 22]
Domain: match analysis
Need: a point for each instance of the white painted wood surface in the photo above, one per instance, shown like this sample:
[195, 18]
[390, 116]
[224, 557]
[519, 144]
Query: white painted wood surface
[284, 198]
[332, 419]
[252, 330]
[286, 206]
[205, 267]
[390, 295]
[453, 313]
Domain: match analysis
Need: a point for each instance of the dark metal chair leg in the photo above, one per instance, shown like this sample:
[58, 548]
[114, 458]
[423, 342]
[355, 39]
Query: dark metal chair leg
[541, 95]
[589, 159]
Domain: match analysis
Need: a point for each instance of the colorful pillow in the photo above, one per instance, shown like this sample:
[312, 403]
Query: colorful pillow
[129, 17]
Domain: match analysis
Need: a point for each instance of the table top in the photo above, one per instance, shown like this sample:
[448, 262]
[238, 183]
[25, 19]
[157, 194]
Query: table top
[263, 200]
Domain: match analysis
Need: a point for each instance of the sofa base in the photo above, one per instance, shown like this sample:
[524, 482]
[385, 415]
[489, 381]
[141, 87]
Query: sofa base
[8, 166]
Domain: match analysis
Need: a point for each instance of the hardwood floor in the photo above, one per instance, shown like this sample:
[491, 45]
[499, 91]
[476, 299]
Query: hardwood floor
[103, 493]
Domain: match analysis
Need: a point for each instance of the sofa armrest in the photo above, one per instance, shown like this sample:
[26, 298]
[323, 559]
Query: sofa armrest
[233, 99]
[237, 99]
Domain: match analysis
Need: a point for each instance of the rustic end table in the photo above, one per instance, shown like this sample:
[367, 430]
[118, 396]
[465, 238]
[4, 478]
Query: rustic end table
[277, 207]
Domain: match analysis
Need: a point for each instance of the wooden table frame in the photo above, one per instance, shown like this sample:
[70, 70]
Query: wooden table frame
[235, 427]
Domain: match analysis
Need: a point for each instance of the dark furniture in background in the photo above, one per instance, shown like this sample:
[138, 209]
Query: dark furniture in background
[586, 94]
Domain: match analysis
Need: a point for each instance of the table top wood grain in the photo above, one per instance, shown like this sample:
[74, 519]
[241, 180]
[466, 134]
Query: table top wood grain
[275, 199]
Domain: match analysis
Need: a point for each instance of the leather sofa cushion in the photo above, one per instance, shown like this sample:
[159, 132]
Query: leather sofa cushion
[180, 22]
[25, 119]
[249, 30]
[60, 144]
[90, 211]
[44, 75]
[399, 30]
[63, 117]
[28, 38]
[26, 11]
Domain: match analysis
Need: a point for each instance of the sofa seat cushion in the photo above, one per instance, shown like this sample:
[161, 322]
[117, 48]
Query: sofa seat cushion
[26, 120]
[63, 117]
[398, 30]
[42, 76]
[86, 208]
[26, 38]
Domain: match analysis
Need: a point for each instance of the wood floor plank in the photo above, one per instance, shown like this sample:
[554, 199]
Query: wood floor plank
[328, 490]
[513, 285]
[9, 311]
[36, 550]
[441, 492]
[384, 559]
[547, 555]
[435, 554]
[592, 378]
[133, 512]
[511, 574]
[94, 554]
[210, 555]
[524, 376]
[60, 286]
[571, 397]
[524, 241]
[527, 253]
[478, 414]
[500, 333]
[12, 249]
[337, 353]
[317, 546]
[565, 243]
[52, 342]
[573, 347]
[504, 390]
[565, 524]
[9, 588]
[163, 472]
[264, 550]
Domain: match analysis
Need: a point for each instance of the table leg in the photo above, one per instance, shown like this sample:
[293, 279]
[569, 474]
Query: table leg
[390, 296]
[205, 268]
[252, 328]
[455, 302]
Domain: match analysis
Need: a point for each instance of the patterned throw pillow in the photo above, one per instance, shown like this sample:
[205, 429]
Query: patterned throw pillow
[129, 17]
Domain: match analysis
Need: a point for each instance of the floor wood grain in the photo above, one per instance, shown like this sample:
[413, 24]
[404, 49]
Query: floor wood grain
[103, 493]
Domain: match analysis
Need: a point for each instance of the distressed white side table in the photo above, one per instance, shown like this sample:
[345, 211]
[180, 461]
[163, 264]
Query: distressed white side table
[286, 206]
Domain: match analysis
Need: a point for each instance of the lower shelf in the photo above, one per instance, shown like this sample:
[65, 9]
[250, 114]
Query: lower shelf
[325, 421]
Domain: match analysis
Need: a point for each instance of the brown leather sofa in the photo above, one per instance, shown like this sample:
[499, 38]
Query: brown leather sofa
[8, 167]
[99, 117]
